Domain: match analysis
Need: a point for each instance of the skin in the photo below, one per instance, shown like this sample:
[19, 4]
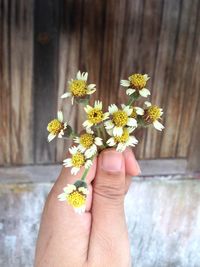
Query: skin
[97, 238]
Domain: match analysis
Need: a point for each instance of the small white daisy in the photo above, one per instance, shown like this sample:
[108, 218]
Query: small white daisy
[79, 88]
[153, 115]
[123, 141]
[95, 114]
[75, 196]
[77, 160]
[88, 143]
[136, 82]
[56, 127]
[120, 118]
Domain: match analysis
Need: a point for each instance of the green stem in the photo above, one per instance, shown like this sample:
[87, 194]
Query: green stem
[85, 174]
[130, 102]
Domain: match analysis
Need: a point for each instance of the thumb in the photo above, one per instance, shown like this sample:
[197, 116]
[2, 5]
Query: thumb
[109, 231]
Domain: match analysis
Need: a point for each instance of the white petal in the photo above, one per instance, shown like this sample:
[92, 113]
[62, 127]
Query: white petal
[121, 147]
[84, 190]
[76, 140]
[73, 150]
[128, 110]
[69, 188]
[88, 164]
[147, 103]
[112, 108]
[62, 197]
[67, 162]
[139, 110]
[91, 91]
[81, 148]
[130, 91]
[87, 124]
[84, 76]
[111, 141]
[80, 210]
[68, 94]
[158, 125]
[109, 124]
[75, 170]
[146, 77]
[132, 141]
[144, 92]
[51, 137]
[91, 151]
[106, 116]
[60, 116]
[98, 141]
[91, 86]
[131, 129]
[78, 75]
[117, 131]
[88, 108]
[98, 104]
[125, 83]
[132, 122]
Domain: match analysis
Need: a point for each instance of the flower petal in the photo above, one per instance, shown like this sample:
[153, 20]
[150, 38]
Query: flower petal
[65, 95]
[125, 83]
[98, 141]
[117, 131]
[139, 110]
[60, 116]
[158, 125]
[147, 103]
[132, 122]
[144, 92]
[130, 91]
[112, 108]
[111, 142]
[51, 137]
[75, 170]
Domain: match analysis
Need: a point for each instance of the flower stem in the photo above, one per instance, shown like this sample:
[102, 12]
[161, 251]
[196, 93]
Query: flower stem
[130, 102]
[85, 174]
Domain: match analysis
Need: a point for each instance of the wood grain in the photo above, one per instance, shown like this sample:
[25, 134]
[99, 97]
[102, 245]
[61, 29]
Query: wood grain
[110, 41]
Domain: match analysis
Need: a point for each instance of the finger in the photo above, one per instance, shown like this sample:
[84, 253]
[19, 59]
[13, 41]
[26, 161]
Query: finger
[131, 165]
[64, 233]
[109, 232]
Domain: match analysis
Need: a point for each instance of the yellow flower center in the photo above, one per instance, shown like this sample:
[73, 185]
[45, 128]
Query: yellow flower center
[123, 138]
[78, 88]
[137, 81]
[95, 116]
[54, 126]
[76, 199]
[86, 140]
[120, 118]
[154, 113]
[78, 159]
[134, 114]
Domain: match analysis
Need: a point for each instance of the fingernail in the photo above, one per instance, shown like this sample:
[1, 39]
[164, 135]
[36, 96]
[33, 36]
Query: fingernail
[138, 167]
[112, 161]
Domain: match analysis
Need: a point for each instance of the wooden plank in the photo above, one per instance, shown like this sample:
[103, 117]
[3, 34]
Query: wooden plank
[4, 83]
[188, 122]
[163, 71]
[45, 76]
[180, 84]
[48, 173]
[68, 62]
[21, 64]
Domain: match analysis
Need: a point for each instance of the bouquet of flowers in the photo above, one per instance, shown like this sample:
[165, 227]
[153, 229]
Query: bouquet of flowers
[113, 128]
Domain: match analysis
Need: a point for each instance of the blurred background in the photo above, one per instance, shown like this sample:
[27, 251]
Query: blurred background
[42, 45]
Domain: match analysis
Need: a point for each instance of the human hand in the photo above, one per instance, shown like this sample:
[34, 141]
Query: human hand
[97, 238]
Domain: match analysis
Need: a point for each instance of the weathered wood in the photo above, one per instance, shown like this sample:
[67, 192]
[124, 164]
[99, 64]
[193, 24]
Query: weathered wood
[45, 76]
[5, 110]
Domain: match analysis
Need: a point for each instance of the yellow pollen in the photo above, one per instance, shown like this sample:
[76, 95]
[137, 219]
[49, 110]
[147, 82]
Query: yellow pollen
[76, 199]
[78, 88]
[86, 140]
[123, 138]
[120, 118]
[154, 113]
[134, 114]
[95, 116]
[54, 126]
[78, 159]
[137, 81]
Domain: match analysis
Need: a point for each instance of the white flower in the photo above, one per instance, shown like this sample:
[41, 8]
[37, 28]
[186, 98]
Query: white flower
[120, 118]
[88, 143]
[77, 160]
[124, 141]
[136, 82]
[95, 115]
[75, 196]
[56, 127]
[79, 88]
[153, 114]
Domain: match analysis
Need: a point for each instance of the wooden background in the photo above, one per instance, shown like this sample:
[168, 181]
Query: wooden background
[44, 43]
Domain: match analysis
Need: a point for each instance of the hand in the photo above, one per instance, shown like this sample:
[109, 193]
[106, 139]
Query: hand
[97, 238]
